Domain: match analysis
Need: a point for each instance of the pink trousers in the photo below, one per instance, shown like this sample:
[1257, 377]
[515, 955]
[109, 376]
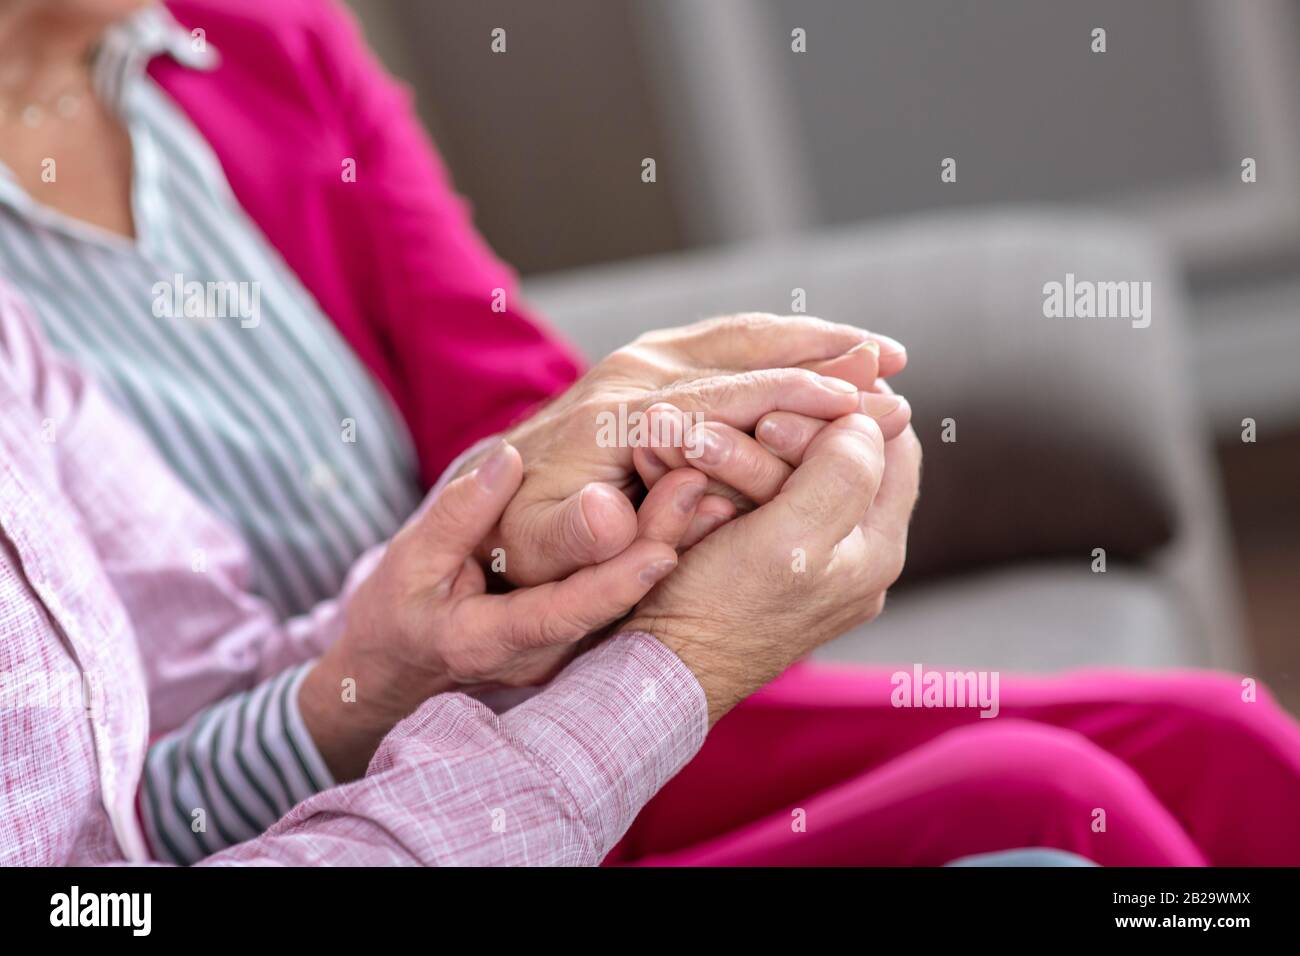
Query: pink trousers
[1173, 768]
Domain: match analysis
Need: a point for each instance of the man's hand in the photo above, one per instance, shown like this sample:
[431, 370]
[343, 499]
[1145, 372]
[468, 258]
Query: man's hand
[574, 507]
[816, 560]
[422, 623]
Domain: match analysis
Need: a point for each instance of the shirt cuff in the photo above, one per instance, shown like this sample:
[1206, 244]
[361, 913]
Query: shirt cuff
[230, 772]
[300, 741]
[615, 726]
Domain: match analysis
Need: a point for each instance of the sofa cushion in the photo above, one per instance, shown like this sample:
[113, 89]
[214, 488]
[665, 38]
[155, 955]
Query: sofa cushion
[1027, 618]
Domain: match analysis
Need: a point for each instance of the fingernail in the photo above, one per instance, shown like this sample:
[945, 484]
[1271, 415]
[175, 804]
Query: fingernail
[711, 448]
[771, 434]
[665, 424]
[878, 406]
[688, 497]
[713, 522]
[657, 571]
[493, 470]
[838, 385]
[870, 345]
[581, 524]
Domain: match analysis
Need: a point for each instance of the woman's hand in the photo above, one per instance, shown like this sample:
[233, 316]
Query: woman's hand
[422, 622]
[816, 560]
[746, 470]
[574, 507]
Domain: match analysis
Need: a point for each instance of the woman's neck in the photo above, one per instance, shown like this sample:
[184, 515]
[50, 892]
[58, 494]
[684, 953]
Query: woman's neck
[41, 48]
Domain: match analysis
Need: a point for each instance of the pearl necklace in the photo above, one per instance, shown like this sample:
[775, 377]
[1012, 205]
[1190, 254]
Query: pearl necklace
[64, 103]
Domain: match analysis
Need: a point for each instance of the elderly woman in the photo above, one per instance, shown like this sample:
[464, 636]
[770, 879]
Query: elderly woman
[161, 161]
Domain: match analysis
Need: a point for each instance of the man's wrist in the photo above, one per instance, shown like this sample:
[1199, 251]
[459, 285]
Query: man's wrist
[719, 677]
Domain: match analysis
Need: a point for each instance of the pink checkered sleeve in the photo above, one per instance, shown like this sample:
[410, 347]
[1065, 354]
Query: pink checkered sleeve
[554, 781]
[124, 615]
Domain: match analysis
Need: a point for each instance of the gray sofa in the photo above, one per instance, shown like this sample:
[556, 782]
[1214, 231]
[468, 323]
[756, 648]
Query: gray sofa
[1071, 434]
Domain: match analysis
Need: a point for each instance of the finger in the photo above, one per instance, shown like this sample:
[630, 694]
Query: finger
[664, 437]
[741, 469]
[876, 403]
[563, 612]
[713, 512]
[451, 526]
[762, 340]
[787, 435]
[891, 412]
[891, 511]
[731, 457]
[649, 467]
[741, 400]
[591, 525]
[890, 359]
[893, 356]
[830, 491]
[859, 365]
[668, 509]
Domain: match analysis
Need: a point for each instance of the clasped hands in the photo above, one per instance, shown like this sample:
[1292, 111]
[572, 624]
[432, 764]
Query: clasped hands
[782, 528]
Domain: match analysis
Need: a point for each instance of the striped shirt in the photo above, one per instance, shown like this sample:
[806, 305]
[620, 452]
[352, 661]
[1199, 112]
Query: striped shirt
[202, 334]
[97, 591]
[208, 340]
[231, 772]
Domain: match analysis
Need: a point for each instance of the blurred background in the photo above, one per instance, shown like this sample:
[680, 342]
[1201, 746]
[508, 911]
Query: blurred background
[819, 169]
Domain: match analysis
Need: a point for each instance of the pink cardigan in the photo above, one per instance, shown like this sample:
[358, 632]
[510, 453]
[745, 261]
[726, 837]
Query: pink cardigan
[391, 257]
